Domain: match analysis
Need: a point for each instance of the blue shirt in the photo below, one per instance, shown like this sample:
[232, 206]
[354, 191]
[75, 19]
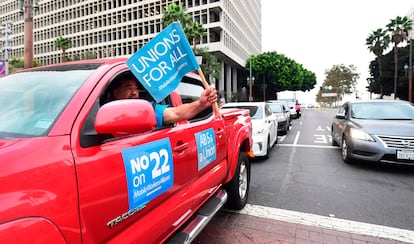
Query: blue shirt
[159, 111]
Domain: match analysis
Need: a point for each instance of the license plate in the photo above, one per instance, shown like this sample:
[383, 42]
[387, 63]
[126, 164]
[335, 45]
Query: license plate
[406, 154]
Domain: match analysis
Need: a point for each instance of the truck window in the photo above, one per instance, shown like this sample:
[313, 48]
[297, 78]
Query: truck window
[190, 91]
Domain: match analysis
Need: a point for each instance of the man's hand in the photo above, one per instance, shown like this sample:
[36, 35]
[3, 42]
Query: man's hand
[189, 110]
[208, 97]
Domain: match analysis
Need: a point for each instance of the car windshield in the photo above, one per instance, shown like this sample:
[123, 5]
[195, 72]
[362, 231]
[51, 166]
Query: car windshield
[291, 104]
[276, 108]
[31, 101]
[383, 111]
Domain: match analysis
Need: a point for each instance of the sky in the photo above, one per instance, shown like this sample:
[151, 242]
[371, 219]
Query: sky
[322, 33]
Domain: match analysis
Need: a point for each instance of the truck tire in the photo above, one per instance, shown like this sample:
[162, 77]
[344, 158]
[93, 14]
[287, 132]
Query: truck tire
[238, 187]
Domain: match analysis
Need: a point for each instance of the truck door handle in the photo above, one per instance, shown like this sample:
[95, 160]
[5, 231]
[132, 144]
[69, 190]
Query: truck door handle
[181, 147]
[220, 132]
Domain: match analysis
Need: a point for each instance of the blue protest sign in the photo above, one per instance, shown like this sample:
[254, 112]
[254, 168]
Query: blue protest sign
[149, 171]
[206, 147]
[162, 62]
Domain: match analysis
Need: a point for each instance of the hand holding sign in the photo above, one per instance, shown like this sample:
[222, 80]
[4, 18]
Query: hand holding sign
[162, 62]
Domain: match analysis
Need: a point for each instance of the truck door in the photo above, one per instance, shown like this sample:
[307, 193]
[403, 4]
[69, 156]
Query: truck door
[108, 206]
[209, 144]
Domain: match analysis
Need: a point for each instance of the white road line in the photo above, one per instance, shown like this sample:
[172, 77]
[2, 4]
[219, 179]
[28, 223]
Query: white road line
[305, 145]
[296, 138]
[329, 223]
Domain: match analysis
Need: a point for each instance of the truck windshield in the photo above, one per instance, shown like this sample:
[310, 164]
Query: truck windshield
[31, 101]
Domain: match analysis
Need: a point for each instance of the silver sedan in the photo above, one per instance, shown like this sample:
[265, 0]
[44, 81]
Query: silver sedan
[375, 130]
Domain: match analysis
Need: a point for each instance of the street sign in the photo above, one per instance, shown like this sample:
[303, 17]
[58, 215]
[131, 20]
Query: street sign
[329, 94]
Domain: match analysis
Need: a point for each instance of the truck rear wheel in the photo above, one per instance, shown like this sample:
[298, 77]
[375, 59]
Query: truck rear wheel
[238, 187]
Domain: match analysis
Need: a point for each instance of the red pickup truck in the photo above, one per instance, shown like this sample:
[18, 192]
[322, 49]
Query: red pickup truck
[76, 168]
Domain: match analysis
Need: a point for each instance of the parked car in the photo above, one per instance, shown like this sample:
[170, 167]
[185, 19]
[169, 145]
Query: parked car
[285, 107]
[290, 102]
[79, 168]
[264, 125]
[278, 109]
[375, 130]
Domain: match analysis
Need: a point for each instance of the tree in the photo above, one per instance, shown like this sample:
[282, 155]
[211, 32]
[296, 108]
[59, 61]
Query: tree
[176, 12]
[195, 32]
[210, 65]
[341, 79]
[377, 42]
[279, 73]
[387, 79]
[398, 28]
[85, 56]
[64, 44]
[17, 64]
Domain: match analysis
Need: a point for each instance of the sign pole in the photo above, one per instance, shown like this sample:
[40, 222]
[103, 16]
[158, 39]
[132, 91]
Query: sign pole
[206, 86]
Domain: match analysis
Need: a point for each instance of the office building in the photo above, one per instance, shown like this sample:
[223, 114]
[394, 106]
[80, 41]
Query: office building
[118, 28]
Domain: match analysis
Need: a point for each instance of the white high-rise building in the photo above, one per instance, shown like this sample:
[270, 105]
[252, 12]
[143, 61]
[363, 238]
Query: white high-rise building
[118, 28]
[410, 15]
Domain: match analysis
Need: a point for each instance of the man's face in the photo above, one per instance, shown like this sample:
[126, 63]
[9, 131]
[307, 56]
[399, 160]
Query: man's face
[127, 90]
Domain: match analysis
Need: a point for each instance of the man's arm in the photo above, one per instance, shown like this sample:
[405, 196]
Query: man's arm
[189, 110]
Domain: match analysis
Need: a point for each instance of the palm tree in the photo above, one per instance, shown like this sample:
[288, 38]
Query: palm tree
[195, 31]
[210, 64]
[398, 28]
[176, 12]
[377, 42]
[64, 44]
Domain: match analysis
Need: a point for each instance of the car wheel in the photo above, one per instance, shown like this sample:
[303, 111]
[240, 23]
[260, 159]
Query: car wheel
[238, 187]
[345, 151]
[334, 143]
[267, 148]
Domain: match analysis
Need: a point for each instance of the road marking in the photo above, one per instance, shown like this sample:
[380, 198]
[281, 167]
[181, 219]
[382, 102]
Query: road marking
[304, 145]
[329, 223]
[320, 139]
[296, 138]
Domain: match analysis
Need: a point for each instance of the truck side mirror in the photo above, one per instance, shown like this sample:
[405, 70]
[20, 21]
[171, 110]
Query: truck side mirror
[125, 117]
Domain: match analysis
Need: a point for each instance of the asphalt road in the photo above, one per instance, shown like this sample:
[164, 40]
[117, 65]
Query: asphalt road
[306, 174]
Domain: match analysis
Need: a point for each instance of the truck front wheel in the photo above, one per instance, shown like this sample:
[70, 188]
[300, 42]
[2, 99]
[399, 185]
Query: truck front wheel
[238, 187]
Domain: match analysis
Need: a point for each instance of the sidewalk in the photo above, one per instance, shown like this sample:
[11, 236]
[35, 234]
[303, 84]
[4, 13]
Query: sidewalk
[275, 226]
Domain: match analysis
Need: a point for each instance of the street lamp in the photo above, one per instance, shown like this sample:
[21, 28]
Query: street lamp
[250, 82]
[408, 73]
[369, 81]
[26, 9]
[264, 86]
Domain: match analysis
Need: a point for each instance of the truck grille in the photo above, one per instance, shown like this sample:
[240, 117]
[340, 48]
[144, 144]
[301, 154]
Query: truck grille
[398, 142]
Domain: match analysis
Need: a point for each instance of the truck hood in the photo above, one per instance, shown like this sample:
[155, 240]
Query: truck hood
[6, 143]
